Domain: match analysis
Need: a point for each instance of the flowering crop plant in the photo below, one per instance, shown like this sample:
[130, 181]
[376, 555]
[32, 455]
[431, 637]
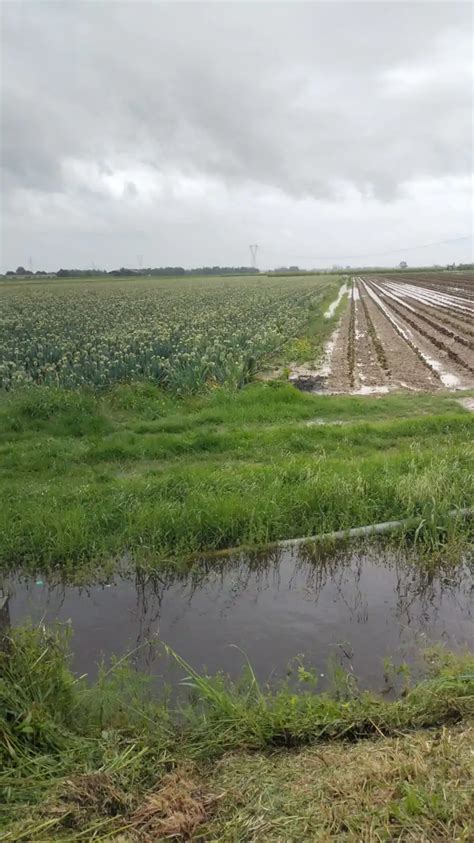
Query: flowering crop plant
[182, 333]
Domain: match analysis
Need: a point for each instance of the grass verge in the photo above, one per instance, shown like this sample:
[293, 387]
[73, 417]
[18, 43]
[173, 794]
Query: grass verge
[309, 345]
[108, 761]
[85, 478]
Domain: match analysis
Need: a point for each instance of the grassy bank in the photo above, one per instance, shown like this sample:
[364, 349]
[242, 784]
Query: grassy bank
[81, 762]
[88, 477]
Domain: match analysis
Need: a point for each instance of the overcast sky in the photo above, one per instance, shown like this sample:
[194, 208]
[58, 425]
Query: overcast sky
[179, 133]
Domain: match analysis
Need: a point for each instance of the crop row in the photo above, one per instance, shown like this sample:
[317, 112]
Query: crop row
[180, 335]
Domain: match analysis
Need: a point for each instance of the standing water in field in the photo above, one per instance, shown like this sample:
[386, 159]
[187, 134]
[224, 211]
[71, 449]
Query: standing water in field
[353, 609]
[335, 304]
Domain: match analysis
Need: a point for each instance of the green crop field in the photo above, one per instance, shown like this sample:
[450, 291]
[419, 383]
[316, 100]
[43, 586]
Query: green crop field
[179, 333]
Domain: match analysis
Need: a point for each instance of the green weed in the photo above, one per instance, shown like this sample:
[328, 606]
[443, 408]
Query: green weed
[78, 760]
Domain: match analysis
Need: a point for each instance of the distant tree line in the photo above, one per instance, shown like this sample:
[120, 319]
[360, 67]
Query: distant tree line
[22, 271]
[154, 272]
[174, 271]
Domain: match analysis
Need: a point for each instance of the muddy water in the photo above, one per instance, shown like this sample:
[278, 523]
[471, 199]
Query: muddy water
[353, 610]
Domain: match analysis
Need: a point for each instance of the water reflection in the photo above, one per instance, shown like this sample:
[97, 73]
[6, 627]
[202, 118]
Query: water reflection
[356, 607]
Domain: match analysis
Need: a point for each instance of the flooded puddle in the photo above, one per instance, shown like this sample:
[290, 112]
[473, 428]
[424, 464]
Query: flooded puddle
[353, 610]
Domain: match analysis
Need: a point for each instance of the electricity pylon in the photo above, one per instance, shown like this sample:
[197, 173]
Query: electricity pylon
[253, 254]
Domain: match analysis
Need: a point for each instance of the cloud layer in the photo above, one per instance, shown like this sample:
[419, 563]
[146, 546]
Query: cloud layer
[181, 132]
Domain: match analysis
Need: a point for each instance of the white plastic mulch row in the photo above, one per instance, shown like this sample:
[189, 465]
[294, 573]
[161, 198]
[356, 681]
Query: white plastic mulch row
[447, 378]
[432, 298]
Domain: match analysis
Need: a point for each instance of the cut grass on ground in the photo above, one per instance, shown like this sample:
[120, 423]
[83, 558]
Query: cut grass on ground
[417, 787]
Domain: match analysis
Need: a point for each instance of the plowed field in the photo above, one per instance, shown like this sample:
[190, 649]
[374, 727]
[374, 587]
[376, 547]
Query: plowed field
[400, 332]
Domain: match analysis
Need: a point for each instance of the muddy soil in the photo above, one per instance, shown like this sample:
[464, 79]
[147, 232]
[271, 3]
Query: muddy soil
[407, 369]
[450, 320]
[453, 356]
[442, 301]
[400, 333]
[309, 382]
[340, 377]
[371, 361]
[462, 281]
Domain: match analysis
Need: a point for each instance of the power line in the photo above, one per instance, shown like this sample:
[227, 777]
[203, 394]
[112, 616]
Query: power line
[375, 254]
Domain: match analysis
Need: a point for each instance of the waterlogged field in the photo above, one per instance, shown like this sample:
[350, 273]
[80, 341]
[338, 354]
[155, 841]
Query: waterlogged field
[180, 333]
[400, 332]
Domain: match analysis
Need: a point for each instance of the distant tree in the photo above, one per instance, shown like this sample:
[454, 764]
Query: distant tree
[156, 272]
[21, 270]
[10, 272]
[403, 264]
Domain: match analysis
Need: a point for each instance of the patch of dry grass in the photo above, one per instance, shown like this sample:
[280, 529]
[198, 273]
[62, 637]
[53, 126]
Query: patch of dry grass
[416, 787]
[92, 806]
[175, 810]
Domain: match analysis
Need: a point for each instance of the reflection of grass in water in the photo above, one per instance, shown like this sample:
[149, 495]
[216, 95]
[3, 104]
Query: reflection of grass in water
[76, 758]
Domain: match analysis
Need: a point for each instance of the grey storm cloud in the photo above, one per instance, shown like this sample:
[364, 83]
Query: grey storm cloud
[102, 101]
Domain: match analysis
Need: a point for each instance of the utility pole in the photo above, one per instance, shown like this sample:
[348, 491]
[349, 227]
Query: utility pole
[253, 254]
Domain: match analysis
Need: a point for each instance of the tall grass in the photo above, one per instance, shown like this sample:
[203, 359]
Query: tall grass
[158, 478]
